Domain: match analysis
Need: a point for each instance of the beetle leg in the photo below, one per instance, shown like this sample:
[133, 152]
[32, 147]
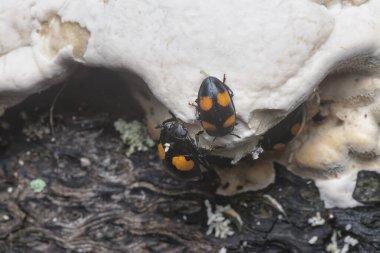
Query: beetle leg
[166, 121]
[212, 148]
[235, 135]
[173, 118]
[212, 144]
[197, 137]
[224, 78]
[205, 163]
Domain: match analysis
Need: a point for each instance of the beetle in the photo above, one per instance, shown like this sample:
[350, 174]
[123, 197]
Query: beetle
[277, 137]
[178, 151]
[215, 107]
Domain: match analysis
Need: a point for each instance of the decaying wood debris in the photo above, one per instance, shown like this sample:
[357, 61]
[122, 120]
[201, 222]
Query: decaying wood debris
[96, 199]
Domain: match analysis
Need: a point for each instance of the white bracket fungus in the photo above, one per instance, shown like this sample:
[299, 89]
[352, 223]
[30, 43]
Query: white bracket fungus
[275, 55]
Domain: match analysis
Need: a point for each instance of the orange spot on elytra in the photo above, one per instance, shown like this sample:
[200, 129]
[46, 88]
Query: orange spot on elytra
[208, 126]
[224, 99]
[229, 121]
[205, 103]
[161, 151]
[182, 164]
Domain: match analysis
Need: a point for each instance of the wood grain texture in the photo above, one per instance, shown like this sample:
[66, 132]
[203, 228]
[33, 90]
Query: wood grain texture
[130, 204]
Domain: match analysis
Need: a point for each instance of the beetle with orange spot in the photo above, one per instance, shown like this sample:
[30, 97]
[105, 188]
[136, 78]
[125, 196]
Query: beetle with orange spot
[276, 138]
[178, 151]
[215, 108]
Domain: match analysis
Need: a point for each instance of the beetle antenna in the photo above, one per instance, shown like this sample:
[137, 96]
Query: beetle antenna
[197, 137]
[212, 143]
[173, 116]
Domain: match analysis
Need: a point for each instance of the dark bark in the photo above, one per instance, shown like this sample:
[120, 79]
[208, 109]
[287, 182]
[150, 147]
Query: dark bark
[130, 204]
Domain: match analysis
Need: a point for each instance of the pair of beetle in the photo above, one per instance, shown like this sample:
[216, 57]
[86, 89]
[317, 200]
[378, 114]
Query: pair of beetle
[216, 112]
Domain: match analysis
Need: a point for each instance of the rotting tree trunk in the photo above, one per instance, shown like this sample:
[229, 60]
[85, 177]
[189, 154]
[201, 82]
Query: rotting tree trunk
[130, 204]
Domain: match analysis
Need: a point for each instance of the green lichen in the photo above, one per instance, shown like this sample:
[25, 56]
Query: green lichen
[367, 189]
[37, 185]
[135, 135]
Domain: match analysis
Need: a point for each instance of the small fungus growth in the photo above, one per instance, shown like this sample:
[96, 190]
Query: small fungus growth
[348, 242]
[316, 220]
[217, 222]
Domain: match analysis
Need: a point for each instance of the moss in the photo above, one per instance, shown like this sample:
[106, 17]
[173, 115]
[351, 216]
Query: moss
[135, 135]
[367, 188]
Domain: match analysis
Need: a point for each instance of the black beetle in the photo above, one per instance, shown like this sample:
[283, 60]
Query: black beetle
[215, 108]
[178, 151]
[278, 136]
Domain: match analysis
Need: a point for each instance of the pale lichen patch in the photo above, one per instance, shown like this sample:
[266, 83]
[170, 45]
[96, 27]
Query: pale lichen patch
[135, 135]
[37, 185]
